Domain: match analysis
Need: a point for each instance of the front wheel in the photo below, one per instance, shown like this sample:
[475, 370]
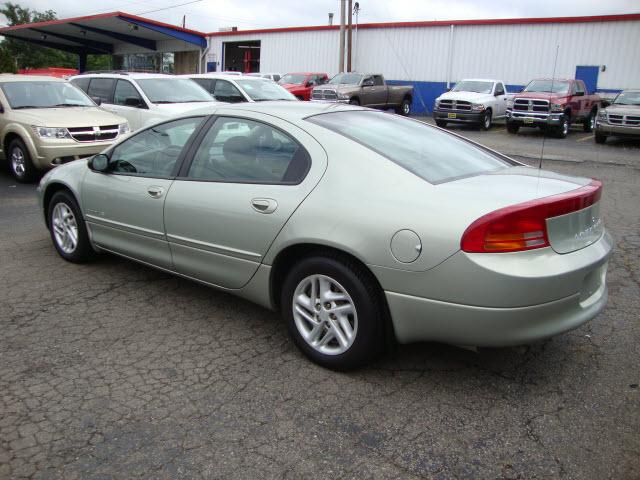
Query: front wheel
[513, 127]
[590, 122]
[486, 120]
[68, 229]
[562, 130]
[334, 311]
[404, 108]
[20, 164]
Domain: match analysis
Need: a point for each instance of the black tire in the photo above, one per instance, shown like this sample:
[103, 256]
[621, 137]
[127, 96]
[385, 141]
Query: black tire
[513, 127]
[367, 299]
[21, 167]
[83, 250]
[590, 122]
[600, 138]
[562, 130]
[487, 120]
[354, 101]
[441, 123]
[405, 108]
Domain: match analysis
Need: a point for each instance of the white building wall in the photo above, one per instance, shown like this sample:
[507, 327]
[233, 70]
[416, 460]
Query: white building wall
[515, 53]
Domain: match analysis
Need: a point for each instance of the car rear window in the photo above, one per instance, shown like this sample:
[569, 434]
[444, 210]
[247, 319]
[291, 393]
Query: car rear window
[426, 151]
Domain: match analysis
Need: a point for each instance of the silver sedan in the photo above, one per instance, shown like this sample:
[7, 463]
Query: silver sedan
[359, 226]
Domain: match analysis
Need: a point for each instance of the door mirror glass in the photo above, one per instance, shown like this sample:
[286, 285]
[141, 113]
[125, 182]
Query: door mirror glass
[99, 163]
[368, 82]
[132, 102]
[97, 100]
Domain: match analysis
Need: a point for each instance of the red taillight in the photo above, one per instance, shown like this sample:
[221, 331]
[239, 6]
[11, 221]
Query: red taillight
[523, 226]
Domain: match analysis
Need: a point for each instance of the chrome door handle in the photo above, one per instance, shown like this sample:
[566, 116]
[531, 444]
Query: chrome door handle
[155, 192]
[264, 205]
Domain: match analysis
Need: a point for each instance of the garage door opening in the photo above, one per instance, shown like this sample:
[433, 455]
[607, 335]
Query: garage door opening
[241, 56]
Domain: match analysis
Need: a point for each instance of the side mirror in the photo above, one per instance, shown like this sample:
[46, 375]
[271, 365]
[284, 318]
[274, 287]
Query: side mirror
[97, 100]
[99, 163]
[132, 102]
[367, 83]
[579, 94]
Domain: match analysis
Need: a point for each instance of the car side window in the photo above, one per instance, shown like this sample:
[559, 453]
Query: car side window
[101, 88]
[276, 78]
[579, 87]
[82, 83]
[154, 151]
[237, 150]
[499, 89]
[226, 92]
[377, 80]
[124, 90]
[207, 83]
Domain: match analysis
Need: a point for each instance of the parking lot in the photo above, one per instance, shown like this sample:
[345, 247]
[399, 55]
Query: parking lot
[115, 370]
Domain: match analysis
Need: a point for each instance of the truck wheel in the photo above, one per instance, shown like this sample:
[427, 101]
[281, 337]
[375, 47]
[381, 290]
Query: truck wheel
[441, 123]
[562, 130]
[600, 138]
[20, 164]
[590, 122]
[486, 120]
[404, 108]
[513, 127]
[354, 101]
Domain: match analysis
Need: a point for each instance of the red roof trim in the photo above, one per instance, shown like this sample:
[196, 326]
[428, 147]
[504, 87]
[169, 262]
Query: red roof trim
[101, 15]
[440, 23]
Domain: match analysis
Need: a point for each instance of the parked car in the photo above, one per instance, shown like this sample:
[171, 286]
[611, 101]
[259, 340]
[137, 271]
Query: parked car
[231, 72]
[368, 90]
[143, 98]
[269, 76]
[301, 84]
[237, 89]
[475, 101]
[420, 235]
[46, 121]
[553, 104]
[621, 118]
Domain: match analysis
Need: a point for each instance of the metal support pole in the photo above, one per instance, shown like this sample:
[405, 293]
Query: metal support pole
[350, 17]
[82, 62]
[342, 14]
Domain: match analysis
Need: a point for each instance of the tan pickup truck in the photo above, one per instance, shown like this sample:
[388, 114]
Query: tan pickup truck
[621, 118]
[366, 89]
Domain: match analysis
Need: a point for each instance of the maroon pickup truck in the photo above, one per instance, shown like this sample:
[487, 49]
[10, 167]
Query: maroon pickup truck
[553, 105]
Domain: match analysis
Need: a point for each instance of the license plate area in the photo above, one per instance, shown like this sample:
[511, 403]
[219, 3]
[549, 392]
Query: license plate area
[528, 120]
[451, 115]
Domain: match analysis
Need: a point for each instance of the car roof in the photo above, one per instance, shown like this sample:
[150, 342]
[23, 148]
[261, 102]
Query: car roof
[480, 80]
[292, 111]
[10, 77]
[134, 75]
[631, 90]
[305, 73]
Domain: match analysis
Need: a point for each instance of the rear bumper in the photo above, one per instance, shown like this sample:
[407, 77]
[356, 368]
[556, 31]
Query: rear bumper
[533, 118]
[617, 130]
[460, 117]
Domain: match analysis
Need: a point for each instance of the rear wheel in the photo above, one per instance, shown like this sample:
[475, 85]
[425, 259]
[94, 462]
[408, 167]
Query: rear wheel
[20, 164]
[590, 122]
[68, 230]
[513, 127]
[600, 138]
[441, 123]
[486, 120]
[334, 311]
[354, 101]
[404, 108]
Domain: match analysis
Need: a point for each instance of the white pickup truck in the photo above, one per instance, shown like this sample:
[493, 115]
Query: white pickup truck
[472, 101]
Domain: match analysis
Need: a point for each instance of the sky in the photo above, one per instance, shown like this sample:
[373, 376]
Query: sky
[210, 15]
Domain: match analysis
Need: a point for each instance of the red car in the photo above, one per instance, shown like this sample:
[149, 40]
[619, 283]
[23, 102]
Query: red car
[301, 84]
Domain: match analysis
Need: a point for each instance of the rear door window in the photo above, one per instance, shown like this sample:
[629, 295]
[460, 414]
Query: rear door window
[207, 83]
[82, 83]
[101, 88]
[124, 90]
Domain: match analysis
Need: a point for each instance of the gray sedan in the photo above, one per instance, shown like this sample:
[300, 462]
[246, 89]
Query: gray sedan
[361, 227]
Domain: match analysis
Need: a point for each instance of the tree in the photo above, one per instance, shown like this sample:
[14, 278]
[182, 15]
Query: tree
[15, 54]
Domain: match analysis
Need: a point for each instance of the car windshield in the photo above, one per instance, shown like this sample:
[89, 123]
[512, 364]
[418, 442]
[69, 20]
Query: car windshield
[44, 94]
[293, 79]
[346, 79]
[548, 86]
[431, 154]
[173, 90]
[260, 91]
[627, 98]
[473, 86]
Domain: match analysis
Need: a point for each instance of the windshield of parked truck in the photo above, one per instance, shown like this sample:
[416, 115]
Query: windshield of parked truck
[346, 79]
[260, 91]
[428, 152]
[292, 79]
[473, 86]
[173, 90]
[44, 94]
[548, 86]
[628, 98]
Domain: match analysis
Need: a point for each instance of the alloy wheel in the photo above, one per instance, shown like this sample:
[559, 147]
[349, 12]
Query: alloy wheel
[18, 162]
[487, 121]
[65, 228]
[406, 108]
[593, 121]
[325, 314]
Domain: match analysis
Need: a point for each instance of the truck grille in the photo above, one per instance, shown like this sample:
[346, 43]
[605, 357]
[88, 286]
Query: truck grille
[624, 120]
[94, 134]
[455, 105]
[324, 95]
[526, 105]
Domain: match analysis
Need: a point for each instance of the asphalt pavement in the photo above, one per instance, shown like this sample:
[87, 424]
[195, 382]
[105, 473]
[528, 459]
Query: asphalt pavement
[115, 370]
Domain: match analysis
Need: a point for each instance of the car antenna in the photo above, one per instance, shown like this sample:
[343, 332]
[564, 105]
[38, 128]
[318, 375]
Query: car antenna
[546, 130]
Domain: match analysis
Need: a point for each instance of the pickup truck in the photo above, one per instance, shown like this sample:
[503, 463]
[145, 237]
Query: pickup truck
[553, 104]
[472, 101]
[301, 84]
[621, 118]
[366, 89]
